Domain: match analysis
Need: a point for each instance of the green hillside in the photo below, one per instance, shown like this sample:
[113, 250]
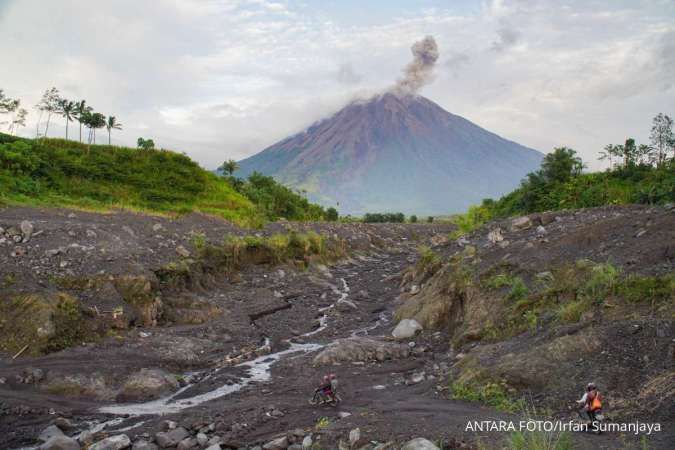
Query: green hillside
[58, 172]
[560, 184]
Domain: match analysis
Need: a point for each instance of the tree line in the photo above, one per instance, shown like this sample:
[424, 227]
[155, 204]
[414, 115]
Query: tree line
[661, 147]
[53, 104]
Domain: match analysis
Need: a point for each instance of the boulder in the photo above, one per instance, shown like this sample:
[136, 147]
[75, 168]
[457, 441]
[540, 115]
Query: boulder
[214, 447]
[521, 223]
[187, 444]
[60, 443]
[119, 442]
[406, 329]
[354, 437]
[147, 384]
[495, 235]
[26, 228]
[50, 432]
[360, 349]
[166, 439]
[202, 439]
[142, 444]
[86, 438]
[419, 444]
[277, 444]
[64, 424]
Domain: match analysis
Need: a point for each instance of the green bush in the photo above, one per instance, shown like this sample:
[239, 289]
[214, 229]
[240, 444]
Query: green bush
[275, 201]
[491, 394]
[518, 290]
[475, 217]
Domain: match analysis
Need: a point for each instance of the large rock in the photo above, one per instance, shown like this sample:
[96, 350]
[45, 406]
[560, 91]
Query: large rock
[26, 228]
[360, 349]
[60, 443]
[171, 438]
[142, 444]
[50, 432]
[419, 444]
[521, 223]
[277, 444]
[406, 329]
[119, 442]
[495, 236]
[93, 385]
[147, 384]
[187, 444]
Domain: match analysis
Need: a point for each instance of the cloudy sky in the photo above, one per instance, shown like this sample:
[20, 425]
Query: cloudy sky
[222, 79]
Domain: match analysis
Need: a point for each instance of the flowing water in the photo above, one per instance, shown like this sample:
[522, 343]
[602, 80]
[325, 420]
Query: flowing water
[257, 370]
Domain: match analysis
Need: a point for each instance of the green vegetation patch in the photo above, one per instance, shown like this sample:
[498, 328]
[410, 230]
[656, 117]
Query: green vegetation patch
[45, 323]
[496, 395]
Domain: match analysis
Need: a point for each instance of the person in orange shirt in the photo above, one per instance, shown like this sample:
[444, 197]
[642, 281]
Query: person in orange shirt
[592, 401]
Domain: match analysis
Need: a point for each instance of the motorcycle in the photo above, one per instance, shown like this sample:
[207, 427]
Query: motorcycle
[593, 426]
[325, 398]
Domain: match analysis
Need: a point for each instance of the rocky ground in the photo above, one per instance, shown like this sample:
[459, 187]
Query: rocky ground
[229, 358]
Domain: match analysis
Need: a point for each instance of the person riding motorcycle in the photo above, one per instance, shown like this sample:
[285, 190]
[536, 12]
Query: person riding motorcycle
[327, 389]
[592, 401]
[323, 389]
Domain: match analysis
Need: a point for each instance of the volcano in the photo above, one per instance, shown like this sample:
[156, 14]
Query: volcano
[393, 152]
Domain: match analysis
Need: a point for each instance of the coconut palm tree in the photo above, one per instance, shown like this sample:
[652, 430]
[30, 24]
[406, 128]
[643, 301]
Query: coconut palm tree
[229, 167]
[112, 124]
[68, 110]
[81, 111]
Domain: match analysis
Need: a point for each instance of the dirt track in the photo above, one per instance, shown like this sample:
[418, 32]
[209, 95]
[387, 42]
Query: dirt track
[260, 411]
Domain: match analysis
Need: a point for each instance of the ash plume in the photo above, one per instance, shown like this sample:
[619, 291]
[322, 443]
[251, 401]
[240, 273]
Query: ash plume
[420, 71]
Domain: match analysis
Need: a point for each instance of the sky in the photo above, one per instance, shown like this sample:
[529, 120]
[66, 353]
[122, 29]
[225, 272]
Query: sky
[223, 79]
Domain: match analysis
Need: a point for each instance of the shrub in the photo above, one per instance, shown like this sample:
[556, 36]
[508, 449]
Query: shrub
[636, 289]
[602, 282]
[475, 217]
[571, 312]
[384, 218]
[428, 260]
[491, 394]
[332, 214]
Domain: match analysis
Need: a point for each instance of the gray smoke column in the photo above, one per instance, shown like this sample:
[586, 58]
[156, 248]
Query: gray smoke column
[420, 71]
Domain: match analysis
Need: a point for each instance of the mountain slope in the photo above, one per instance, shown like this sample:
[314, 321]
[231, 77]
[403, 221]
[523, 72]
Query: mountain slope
[392, 152]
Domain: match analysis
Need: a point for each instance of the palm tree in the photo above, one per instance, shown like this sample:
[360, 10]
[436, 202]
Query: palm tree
[81, 110]
[67, 109]
[112, 124]
[229, 167]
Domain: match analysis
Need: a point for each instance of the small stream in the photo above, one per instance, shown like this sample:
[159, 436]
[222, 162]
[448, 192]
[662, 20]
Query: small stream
[257, 370]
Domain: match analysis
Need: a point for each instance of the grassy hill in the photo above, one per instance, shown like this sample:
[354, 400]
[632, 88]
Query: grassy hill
[57, 172]
[560, 185]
